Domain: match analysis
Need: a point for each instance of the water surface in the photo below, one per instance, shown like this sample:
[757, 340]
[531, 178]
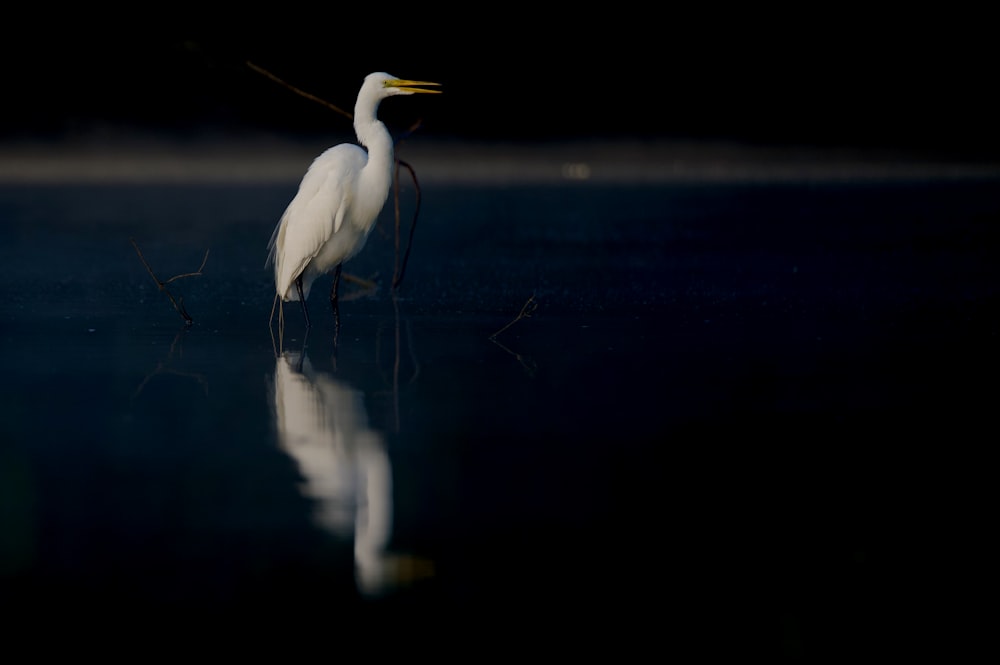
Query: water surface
[704, 431]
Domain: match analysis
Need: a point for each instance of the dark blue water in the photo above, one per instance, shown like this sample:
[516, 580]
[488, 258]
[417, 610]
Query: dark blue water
[728, 413]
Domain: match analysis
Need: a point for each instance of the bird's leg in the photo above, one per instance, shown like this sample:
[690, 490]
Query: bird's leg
[302, 356]
[302, 299]
[336, 285]
[336, 334]
[335, 306]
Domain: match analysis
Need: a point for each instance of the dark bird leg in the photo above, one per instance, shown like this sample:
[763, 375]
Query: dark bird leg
[335, 305]
[336, 285]
[302, 299]
[336, 335]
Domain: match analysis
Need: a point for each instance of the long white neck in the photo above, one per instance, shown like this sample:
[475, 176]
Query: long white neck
[372, 134]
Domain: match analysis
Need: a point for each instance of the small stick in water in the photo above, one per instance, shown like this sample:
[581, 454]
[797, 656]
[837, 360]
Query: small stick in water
[178, 303]
[526, 311]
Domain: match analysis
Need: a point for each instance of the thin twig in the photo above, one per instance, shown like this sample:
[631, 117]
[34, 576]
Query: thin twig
[528, 364]
[178, 303]
[197, 273]
[399, 271]
[527, 310]
[161, 368]
[367, 284]
[298, 91]
[397, 278]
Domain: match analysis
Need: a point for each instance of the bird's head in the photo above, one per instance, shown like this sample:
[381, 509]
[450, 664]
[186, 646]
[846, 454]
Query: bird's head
[389, 85]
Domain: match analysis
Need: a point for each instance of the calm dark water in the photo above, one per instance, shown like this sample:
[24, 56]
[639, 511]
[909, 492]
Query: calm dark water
[729, 408]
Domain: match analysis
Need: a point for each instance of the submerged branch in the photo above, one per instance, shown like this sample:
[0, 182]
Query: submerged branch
[197, 273]
[528, 364]
[527, 310]
[178, 302]
[400, 269]
[397, 277]
[162, 368]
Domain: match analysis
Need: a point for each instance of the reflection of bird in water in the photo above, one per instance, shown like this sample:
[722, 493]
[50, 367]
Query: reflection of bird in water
[323, 426]
[339, 198]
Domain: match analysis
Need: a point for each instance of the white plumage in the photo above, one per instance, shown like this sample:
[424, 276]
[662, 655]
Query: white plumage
[339, 198]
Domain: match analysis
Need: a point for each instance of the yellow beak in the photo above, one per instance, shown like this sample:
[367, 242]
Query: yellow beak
[404, 84]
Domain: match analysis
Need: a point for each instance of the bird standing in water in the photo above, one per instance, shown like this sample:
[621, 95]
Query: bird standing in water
[339, 198]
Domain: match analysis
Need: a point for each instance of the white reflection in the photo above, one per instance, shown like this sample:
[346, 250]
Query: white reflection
[323, 425]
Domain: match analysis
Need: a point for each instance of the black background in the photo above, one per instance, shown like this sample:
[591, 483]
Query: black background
[866, 317]
[830, 76]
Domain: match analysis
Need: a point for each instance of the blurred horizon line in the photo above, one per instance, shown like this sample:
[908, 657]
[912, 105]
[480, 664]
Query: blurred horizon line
[261, 159]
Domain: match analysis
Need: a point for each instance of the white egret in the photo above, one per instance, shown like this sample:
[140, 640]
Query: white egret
[339, 198]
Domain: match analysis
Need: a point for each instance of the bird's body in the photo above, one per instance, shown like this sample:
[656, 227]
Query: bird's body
[326, 223]
[339, 198]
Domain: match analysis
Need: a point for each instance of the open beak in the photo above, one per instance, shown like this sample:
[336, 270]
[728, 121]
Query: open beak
[409, 86]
